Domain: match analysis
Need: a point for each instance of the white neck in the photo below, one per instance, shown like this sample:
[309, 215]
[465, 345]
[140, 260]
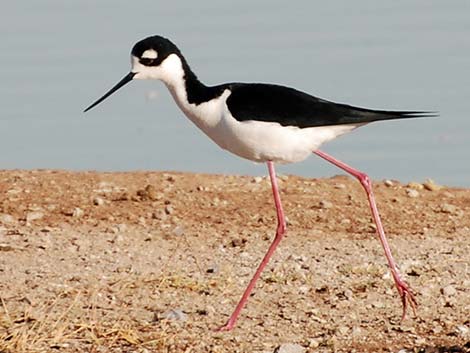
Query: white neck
[205, 115]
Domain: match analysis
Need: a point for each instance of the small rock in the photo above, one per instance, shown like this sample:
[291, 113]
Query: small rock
[420, 341]
[340, 186]
[121, 227]
[98, 201]
[160, 215]
[168, 209]
[289, 348]
[313, 343]
[412, 193]
[175, 315]
[77, 212]
[356, 331]
[430, 185]
[6, 247]
[34, 215]
[448, 208]
[343, 330]
[345, 222]
[212, 269]
[463, 331]
[7, 218]
[449, 291]
[378, 304]
[152, 192]
[257, 180]
[149, 193]
[415, 186]
[178, 231]
[236, 242]
[448, 194]
[325, 204]
[388, 182]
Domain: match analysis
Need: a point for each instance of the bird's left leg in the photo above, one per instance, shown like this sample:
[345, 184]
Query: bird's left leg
[405, 292]
[280, 231]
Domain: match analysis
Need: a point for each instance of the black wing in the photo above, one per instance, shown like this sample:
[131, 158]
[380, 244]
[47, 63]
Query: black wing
[290, 107]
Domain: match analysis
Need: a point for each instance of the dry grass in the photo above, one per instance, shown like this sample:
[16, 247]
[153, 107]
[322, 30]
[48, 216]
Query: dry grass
[83, 321]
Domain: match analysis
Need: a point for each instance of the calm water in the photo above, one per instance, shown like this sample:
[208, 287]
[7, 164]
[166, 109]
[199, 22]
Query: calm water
[57, 57]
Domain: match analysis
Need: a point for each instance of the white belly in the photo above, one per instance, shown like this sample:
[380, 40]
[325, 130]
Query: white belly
[265, 141]
[255, 140]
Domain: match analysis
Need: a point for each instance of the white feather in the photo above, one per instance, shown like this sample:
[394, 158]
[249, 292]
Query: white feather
[254, 140]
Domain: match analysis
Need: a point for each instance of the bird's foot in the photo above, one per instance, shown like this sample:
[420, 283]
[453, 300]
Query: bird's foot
[407, 297]
[227, 327]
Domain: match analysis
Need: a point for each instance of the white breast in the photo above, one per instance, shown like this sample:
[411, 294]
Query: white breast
[254, 140]
[258, 140]
[266, 141]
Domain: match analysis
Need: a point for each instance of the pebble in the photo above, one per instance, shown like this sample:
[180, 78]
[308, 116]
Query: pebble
[77, 212]
[289, 348]
[160, 215]
[412, 193]
[343, 330]
[176, 315]
[340, 186]
[420, 341]
[356, 331]
[430, 185]
[325, 204]
[34, 215]
[448, 194]
[415, 186]
[388, 182]
[98, 201]
[313, 343]
[7, 218]
[257, 180]
[378, 304]
[448, 208]
[6, 247]
[168, 209]
[178, 231]
[463, 330]
[449, 291]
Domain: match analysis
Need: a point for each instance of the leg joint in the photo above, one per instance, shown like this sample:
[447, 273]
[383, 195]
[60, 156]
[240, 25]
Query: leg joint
[364, 179]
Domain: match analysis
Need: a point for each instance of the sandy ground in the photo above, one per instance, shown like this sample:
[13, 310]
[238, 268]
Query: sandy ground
[153, 262]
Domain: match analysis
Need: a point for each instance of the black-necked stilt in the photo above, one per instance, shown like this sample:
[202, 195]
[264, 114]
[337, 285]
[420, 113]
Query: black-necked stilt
[263, 123]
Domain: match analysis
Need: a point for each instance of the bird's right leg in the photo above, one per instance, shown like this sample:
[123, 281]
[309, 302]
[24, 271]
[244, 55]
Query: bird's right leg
[405, 292]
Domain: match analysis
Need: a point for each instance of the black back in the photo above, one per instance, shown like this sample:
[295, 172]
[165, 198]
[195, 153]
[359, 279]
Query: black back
[290, 107]
[267, 102]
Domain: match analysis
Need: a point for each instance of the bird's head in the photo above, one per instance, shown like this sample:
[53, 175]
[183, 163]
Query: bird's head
[152, 58]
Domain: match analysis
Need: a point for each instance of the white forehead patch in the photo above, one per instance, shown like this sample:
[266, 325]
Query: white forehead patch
[150, 54]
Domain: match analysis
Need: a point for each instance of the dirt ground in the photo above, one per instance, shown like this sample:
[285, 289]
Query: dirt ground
[154, 262]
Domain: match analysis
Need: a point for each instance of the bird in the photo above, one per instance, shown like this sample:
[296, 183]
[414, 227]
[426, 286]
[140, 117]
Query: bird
[266, 123]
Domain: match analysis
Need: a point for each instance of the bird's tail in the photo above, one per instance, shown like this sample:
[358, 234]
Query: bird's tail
[370, 115]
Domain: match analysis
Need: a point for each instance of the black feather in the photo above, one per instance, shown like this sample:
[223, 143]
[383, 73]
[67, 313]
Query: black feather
[290, 107]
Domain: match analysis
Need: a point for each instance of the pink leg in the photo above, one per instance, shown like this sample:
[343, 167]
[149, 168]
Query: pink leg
[281, 230]
[403, 289]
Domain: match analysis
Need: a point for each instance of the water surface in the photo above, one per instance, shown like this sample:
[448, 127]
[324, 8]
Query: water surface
[58, 57]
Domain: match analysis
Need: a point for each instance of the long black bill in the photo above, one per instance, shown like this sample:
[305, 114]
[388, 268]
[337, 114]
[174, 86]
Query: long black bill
[126, 79]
